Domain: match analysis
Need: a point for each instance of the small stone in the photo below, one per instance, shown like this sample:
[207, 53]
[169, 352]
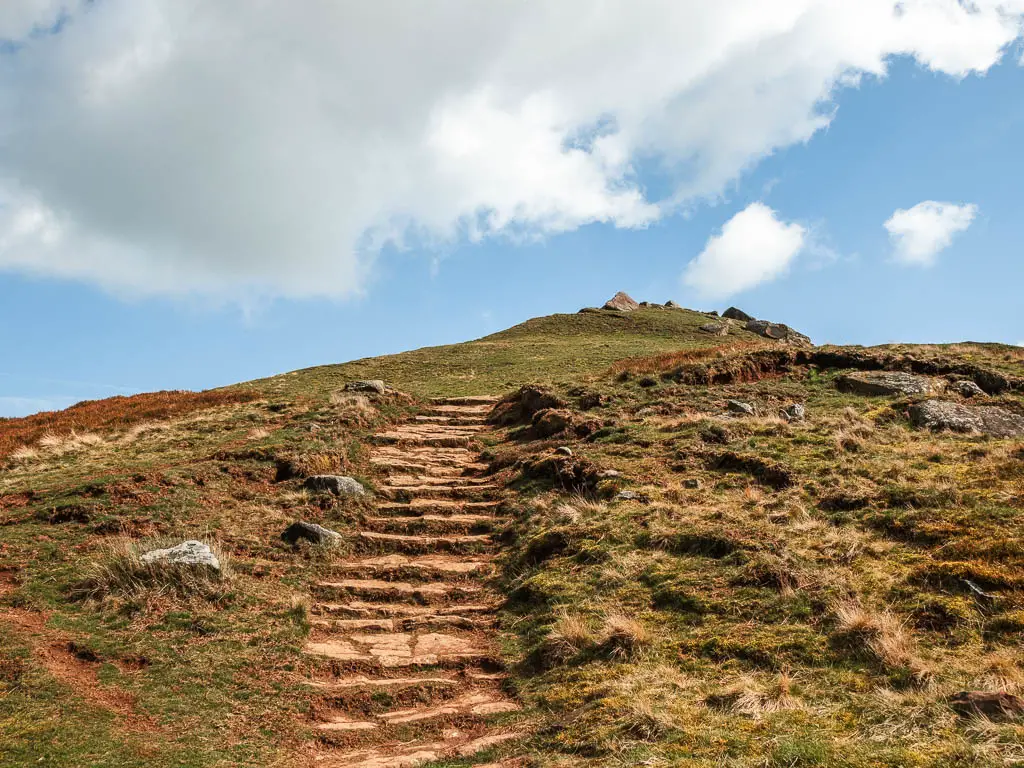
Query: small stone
[967, 388]
[737, 314]
[631, 496]
[339, 485]
[563, 450]
[608, 474]
[739, 407]
[623, 302]
[193, 553]
[692, 483]
[715, 329]
[876, 384]
[368, 385]
[311, 532]
[794, 412]
[996, 705]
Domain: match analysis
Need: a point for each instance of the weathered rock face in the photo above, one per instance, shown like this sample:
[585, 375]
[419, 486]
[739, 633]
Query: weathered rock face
[671, 305]
[551, 421]
[967, 388]
[311, 532]
[716, 329]
[993, 705]
[622, 302]
[189, 553]
[339, 485]
[777, 332]
[882, 383]
[741, 408]
[988, 420]
[732, 313]
[369, 385]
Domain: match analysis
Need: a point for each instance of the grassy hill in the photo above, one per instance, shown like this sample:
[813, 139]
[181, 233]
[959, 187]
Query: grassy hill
[767, 592]
[553, 349]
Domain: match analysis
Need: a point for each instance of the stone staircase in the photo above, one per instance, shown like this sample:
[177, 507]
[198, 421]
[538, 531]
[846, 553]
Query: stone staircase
[403, 629]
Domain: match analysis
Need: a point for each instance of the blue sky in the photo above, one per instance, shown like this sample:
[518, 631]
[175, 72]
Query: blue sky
[786, 219]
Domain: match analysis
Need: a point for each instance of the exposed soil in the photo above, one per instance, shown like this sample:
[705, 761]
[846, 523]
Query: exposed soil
[71, 664]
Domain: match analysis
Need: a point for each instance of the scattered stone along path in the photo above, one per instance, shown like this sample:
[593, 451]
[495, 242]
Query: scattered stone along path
[403, 629]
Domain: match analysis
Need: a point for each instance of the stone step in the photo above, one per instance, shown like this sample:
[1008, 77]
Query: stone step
[393, 466]
[425, 593]
[421, 753]
[393, 542]
[448, 481]
[428, 622]
[480, 492]
[466, 708]
[452, 419]
[432, 524]
[405, 438]
[404, 567]
[368, 695]
[418, 507]
[436, 456]
[477, 400]
[402, 612]
[401, 650]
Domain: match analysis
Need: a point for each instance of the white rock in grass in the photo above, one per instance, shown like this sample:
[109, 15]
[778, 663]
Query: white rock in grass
[187, 553]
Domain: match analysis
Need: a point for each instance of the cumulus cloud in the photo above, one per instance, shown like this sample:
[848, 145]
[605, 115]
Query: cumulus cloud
[753, 247]
[918, 234]
[273, 148]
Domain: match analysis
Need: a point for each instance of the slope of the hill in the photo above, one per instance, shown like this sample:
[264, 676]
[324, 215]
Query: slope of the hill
[688, 581]
[552, 349]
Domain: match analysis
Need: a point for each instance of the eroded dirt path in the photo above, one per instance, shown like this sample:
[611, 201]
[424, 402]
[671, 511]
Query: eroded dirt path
[403, 629]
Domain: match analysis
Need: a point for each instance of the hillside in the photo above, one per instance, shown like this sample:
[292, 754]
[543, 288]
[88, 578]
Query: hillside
[660, 546]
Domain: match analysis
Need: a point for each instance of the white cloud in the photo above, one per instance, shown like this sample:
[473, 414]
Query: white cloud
[918, 234]
[271, 148]
[753, 247]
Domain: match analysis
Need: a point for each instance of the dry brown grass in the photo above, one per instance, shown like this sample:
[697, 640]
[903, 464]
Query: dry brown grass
[353, 408]
[756, 695]
[655, 364]
[119, 572]
[113, 413]
[883, 637]
[570, 635]
[624, 637]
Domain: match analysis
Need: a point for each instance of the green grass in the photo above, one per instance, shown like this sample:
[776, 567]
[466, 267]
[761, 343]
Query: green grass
[550, 350]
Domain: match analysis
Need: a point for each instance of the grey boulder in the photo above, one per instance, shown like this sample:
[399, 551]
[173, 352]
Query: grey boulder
[311, 532]
[777, 332]
[190, 553]
[732, 313]
[967, 388]
[715, 329]
[367, 385]
[339, 485]
[741, 408]
[988, 420]
[885, 383]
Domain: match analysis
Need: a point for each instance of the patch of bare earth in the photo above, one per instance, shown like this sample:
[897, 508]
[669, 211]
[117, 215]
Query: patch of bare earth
[58, 654]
